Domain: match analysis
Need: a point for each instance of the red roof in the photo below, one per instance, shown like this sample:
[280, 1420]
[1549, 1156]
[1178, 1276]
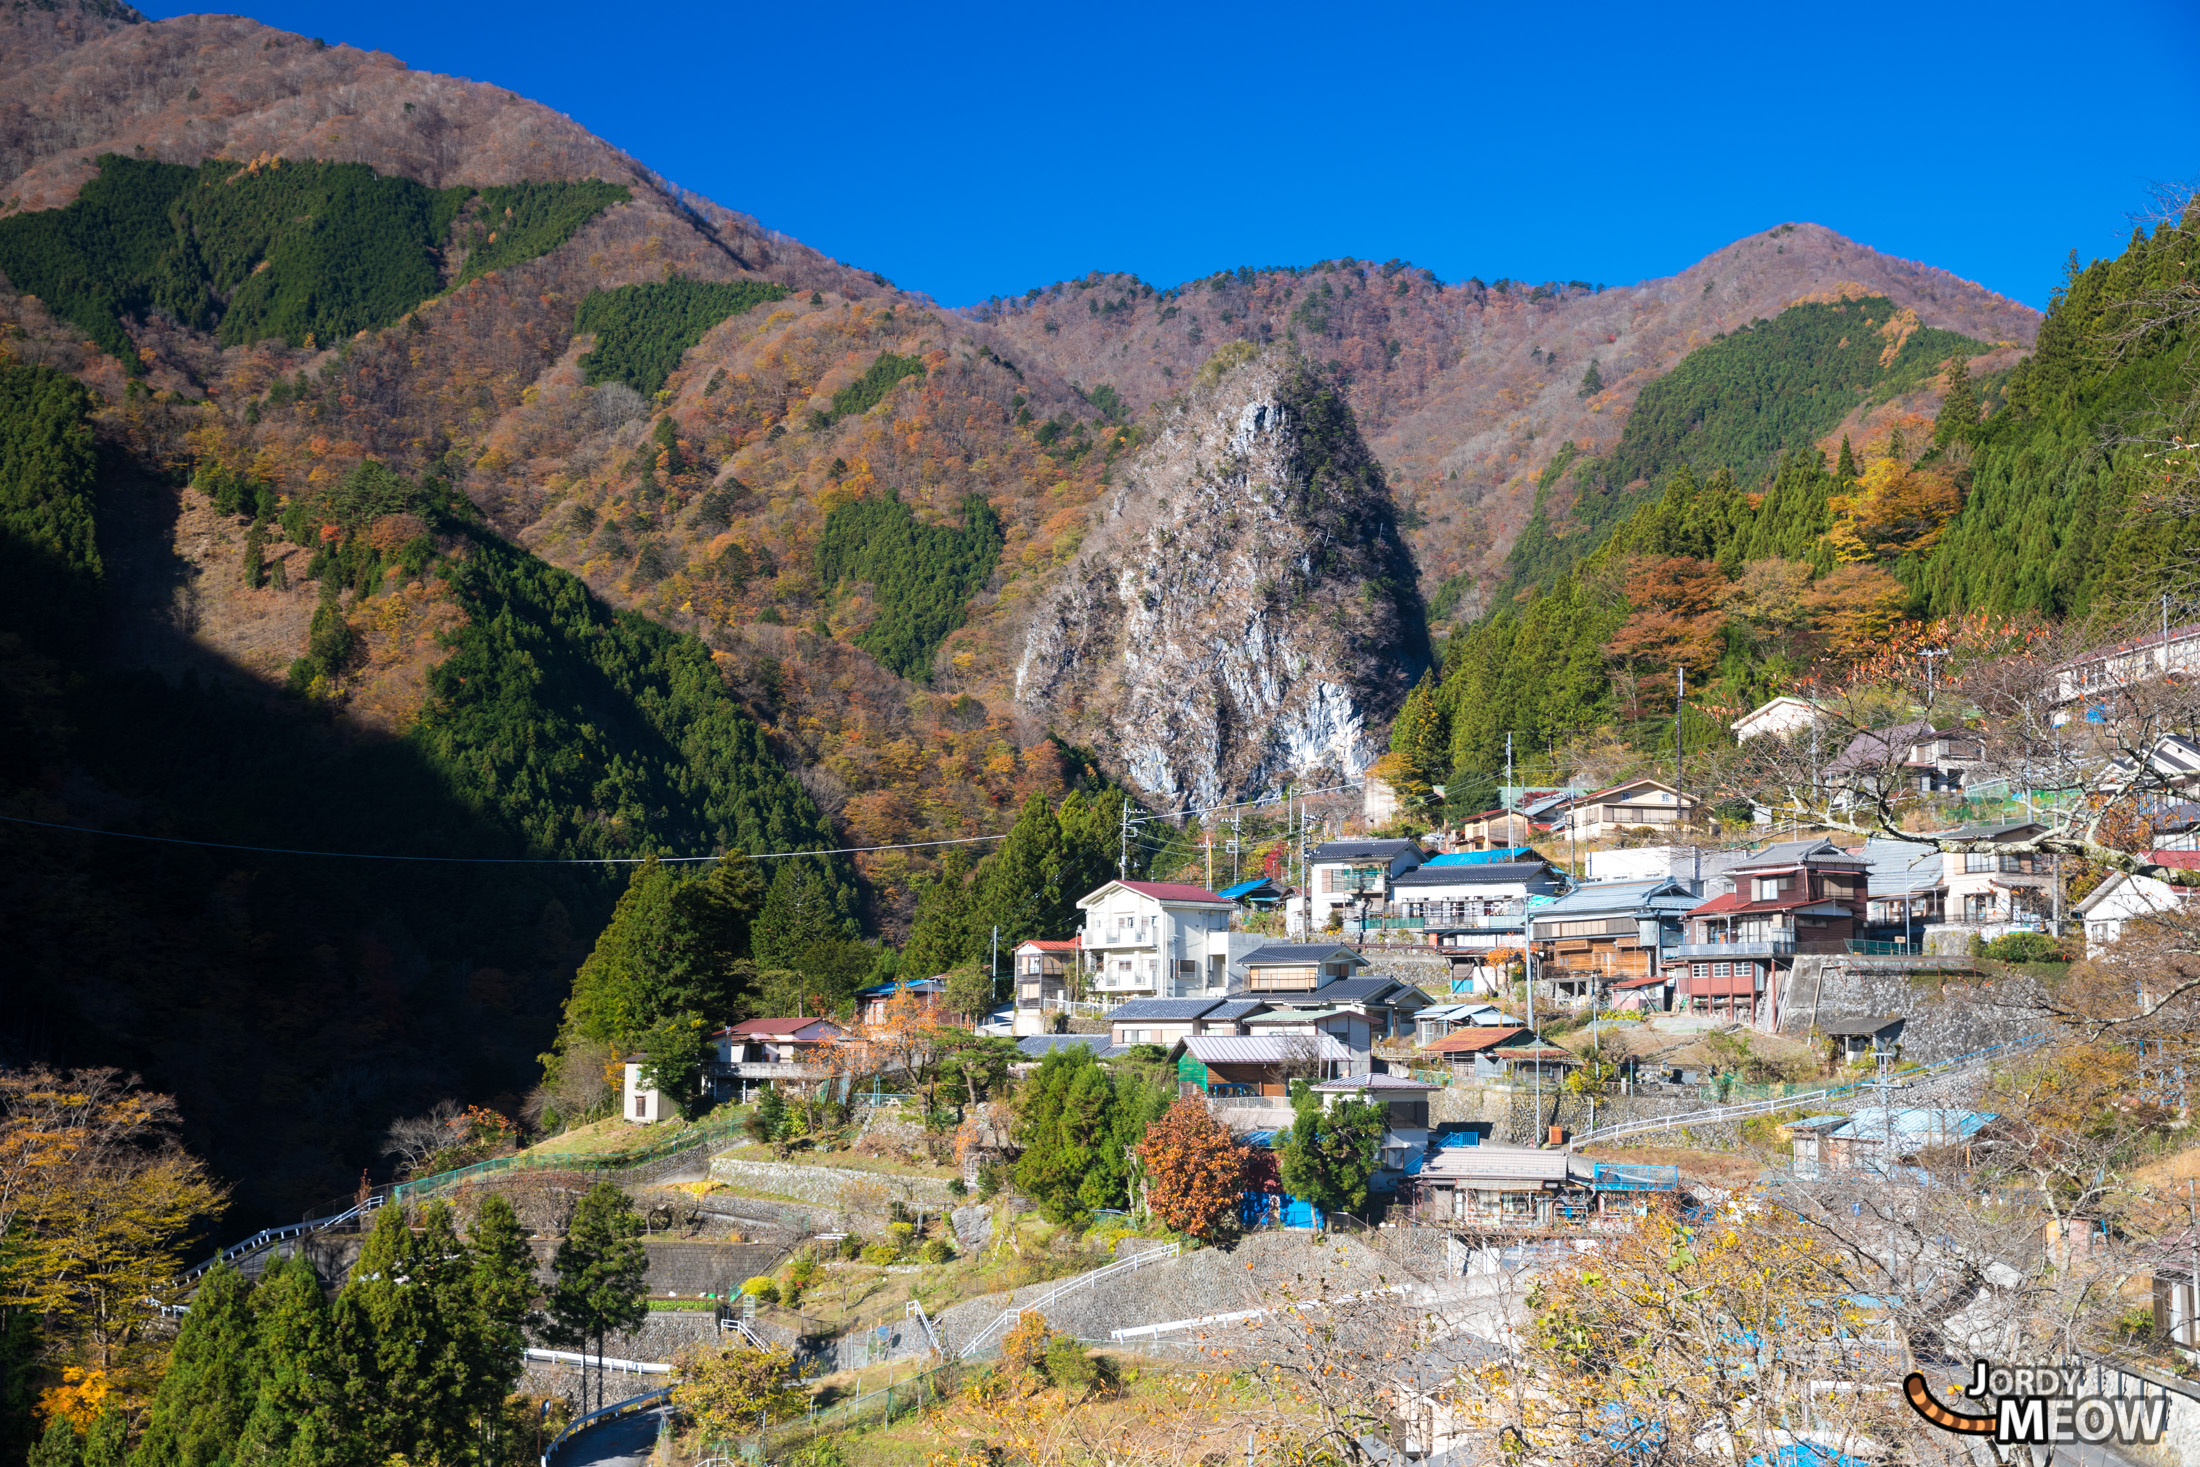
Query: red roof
[1052, 944]
[1470, 1041]
[1651, 980]
[1169, 891]
[778, 1027]
[2176, 860]
[1732, 905]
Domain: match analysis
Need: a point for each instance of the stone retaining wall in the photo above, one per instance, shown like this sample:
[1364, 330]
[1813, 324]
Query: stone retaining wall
[1943, 1016]
[826, 1186]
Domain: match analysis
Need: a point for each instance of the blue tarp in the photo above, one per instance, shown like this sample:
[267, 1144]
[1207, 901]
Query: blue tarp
[1486, 858]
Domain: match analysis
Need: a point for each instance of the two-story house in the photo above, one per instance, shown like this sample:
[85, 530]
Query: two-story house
[1156, 939]
[1987, 888]
[1405, 1102]
[1305, 979]
[1465, 894]
[1357, 873]
[768, 1051]
[1607, 932]
[1629, 806]
[1494, 830]
[1798, 896]
[1908, 756]
[2087, 682]
[1046, 969]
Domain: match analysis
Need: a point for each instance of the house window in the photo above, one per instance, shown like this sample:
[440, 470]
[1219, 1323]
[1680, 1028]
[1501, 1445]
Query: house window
[1187, 968]
[1977, 861]
[1721, 970]
[1768, 888]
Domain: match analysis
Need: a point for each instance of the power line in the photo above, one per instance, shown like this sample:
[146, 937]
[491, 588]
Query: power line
[168, 840]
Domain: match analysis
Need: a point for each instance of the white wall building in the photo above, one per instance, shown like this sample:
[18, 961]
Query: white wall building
[1778, 718]
[2124, 900]
[1156, 939]
[1629, 806]
[1340, 872]
[642, 1106]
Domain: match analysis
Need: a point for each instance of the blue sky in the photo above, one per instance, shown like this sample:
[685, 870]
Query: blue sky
[986, 149]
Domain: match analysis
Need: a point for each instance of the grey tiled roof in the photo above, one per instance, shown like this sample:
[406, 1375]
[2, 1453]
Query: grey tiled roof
[1162, 1008]
[1367, 850]
[1039, 1046]
[1281, 954]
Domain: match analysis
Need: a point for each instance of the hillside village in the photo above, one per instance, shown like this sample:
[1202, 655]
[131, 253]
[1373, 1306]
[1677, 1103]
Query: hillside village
[623, 842]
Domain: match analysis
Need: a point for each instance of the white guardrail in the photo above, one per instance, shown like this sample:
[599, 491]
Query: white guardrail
[1748, 1110]
[1003, 1321]
[613, 1363]
[602, 1414]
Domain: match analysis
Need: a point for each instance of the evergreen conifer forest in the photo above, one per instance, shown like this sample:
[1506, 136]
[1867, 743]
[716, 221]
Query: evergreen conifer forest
[562, 728]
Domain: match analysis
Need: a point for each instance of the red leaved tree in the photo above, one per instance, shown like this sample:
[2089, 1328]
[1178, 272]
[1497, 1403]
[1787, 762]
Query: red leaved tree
[1194, 1170]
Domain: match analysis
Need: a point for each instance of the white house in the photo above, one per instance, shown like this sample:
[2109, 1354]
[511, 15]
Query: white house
[1703, 867]
[2099, 675]
[1449, 893]
[1156, 939]
[1778, 718]
[644, 1107]
[1636, 803]
[2122, 899]
[1341, 872]
[1988, 887]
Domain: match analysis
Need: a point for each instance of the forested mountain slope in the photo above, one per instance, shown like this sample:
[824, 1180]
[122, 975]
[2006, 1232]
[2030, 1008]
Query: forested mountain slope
[1467, 391]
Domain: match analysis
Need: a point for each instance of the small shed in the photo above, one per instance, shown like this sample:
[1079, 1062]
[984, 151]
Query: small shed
[637, 1103]
[1860, 1041]
[1808, 1136]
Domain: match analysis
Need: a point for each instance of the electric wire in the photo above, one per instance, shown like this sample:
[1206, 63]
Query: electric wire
[169, 840]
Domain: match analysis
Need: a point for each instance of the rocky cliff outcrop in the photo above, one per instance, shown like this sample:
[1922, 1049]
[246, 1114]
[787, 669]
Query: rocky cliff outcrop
[1245, 611]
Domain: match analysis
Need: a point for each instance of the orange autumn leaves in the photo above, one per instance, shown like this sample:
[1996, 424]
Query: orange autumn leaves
[1684, 608]
[1897, 509]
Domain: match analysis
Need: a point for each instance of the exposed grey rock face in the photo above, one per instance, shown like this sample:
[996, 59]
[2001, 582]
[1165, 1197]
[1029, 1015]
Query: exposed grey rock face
[1245, 613]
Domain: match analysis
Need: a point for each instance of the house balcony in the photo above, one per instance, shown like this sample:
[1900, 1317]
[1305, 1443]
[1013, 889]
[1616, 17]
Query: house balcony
[1756, 947]
[769, 1070]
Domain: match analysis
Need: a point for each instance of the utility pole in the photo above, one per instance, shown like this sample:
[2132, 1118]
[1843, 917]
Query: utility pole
[1123, 846]
[1237, 844]
[1680, 699]
[1210, 860]
[1506, 801]
[993, 962]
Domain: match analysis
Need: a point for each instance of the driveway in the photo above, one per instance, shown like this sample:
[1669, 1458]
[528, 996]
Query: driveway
[630, 1439]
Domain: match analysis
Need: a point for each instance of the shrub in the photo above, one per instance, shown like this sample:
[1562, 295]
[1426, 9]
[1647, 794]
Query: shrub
[765, 1289]
[900, 1234]
[1067, 1365]
[881, 1254]
[801, 1271]
[939, 1250]
[851, 1247]
[955, 1188]
[2024, 947]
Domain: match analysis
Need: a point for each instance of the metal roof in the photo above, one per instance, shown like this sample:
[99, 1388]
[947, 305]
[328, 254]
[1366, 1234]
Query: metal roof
[1490, 875]
[1260, 1049]
[1501, 1164]
[1296, 954]
[1246, 888]
[1496, 857]
[1337, 991]
[1162, 1008]
[1160, 891]
[1663, 896]
[1795, 852]
[1900, 868]
[1235, 1008]
[1862, 1026]
[1914, 1125]
[1305, 1016]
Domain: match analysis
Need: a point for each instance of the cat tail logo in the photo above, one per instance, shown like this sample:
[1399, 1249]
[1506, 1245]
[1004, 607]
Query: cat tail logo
[2040, 1406]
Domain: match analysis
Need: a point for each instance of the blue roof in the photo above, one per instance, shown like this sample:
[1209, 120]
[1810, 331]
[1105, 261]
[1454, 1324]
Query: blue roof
[1914, 1124]
[1484, 858]
[905, 985]
[1246, 888]
[1266, 1140]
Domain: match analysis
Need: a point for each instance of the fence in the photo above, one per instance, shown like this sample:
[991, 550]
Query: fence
[1007, 1317]
[688, 1138]
[269, 1237]
[1773, 1106]
[602, 1414]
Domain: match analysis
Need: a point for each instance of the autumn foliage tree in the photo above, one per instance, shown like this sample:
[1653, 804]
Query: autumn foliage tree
[1194, 1170]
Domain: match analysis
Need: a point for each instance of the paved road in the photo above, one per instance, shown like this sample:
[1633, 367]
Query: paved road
[627, 1440]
